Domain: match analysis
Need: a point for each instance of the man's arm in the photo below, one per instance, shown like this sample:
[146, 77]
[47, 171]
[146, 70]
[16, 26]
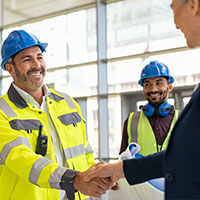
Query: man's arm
[145, 168]
[134, 170]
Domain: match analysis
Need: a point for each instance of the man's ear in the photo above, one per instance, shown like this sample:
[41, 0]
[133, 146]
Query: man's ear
[10, 68]
[194, 6]
[170, 87]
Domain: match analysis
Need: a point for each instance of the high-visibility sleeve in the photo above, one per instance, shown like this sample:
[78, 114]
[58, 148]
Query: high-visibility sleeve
[17, 155]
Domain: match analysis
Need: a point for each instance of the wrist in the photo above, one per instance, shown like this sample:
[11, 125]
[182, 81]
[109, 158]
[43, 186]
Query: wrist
[76, 180]
[67, 183]
[119, 169]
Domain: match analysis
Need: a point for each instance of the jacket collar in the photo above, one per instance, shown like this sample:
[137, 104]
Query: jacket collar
[16, 98]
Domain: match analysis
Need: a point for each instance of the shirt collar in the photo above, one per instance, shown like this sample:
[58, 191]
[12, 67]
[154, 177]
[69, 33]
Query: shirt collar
[28, 98]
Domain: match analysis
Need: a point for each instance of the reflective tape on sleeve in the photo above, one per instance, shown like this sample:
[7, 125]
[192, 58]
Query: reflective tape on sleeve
[36, 169]
[6, 108]
[75, 151]
[88, 149]
[10, 145]
[56, 176]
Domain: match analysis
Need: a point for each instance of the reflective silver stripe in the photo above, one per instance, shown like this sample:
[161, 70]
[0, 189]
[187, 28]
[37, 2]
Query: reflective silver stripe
[88, 149]
[10, 145]
[134, 126]
[37, 168]
[73, 152]
[68, 100]
[6, 108]
[56, 176]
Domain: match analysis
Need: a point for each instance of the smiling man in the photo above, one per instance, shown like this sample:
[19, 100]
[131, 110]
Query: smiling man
[151, 127]
[44, 153]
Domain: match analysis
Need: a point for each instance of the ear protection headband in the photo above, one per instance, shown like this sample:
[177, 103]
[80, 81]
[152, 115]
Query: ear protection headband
[163, 110]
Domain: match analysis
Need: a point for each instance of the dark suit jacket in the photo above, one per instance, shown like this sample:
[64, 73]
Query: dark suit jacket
[180, 163]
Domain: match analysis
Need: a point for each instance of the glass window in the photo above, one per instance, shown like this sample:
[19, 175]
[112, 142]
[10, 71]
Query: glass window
[139, 26]
[77, 82]
[114, 122]
[114, 112]
[6, 84]
[92, 124]
[81, 36]
[124, 75]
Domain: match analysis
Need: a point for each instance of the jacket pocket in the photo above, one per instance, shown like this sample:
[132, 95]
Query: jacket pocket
[70, 118]
[29, 124]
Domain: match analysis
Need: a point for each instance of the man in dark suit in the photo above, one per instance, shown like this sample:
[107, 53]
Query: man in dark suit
[180, 163]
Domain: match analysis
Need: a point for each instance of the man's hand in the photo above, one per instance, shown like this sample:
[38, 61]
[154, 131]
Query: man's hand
[113, 171]
[95, 186]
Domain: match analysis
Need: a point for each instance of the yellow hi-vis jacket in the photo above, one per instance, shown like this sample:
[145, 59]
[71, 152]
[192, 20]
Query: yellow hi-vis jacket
[139, 130]
[25, 175]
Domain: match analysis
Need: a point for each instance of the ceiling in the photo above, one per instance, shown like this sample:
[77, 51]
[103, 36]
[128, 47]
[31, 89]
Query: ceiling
[15, 11]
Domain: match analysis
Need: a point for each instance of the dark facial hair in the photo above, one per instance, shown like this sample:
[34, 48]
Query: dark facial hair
[156, 104]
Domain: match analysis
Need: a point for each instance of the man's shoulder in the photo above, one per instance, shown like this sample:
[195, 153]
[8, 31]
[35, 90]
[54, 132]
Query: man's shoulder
[4, 96]
[57, 95]
[58, 92]
[133, 116]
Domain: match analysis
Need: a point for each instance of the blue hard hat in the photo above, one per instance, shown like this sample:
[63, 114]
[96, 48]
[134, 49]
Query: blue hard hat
[154, 69]
[17, 41]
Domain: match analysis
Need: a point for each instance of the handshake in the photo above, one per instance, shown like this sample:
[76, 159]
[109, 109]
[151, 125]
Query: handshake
[99, 178]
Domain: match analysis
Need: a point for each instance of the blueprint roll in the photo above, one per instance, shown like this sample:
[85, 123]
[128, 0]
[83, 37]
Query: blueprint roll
[158, 183]
[150, 190]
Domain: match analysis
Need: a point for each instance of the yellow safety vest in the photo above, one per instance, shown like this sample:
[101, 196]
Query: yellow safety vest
[139, 130]
[25, 175]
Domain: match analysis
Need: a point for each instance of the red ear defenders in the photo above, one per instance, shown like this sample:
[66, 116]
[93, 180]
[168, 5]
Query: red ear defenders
[163, 110]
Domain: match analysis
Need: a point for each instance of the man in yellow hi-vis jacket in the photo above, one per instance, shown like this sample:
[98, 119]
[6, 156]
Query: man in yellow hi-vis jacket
[44, 151]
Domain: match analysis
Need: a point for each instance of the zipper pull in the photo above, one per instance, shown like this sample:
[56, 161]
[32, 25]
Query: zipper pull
[159, 147]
